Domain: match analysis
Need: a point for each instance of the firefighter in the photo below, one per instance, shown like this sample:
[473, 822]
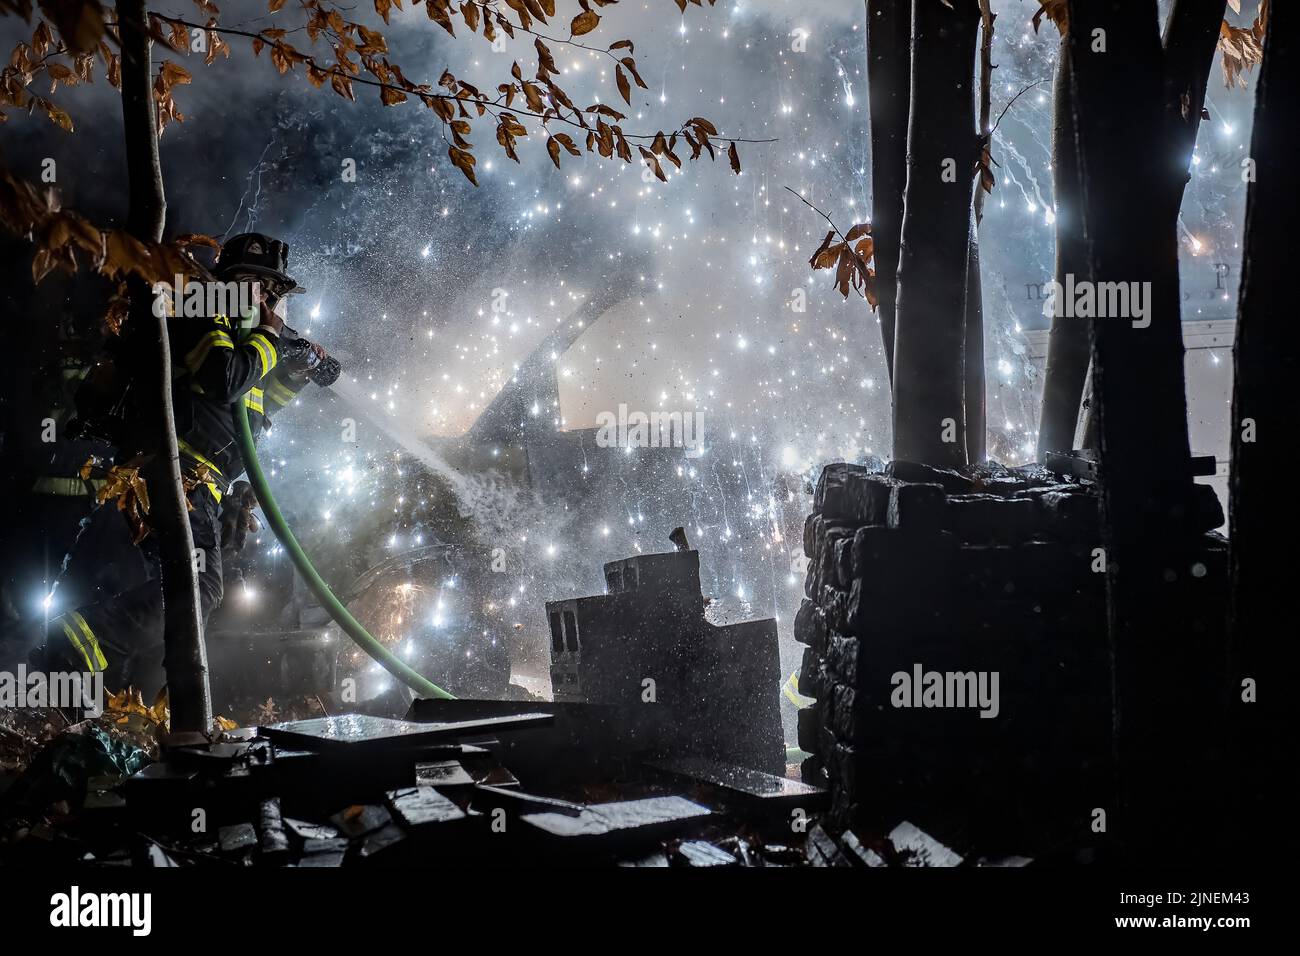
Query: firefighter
[216, 362]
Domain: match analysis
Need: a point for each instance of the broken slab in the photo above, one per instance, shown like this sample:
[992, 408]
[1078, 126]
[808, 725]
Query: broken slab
[778, 854]
[585, 741]
[486, 798]
[859, 853]
[348, 731]
[701, 853]
[303, 831]
[417, 807]
[237, 838]
[749, 790]
[498, 777]
[381, 841]
[625, 822]
[360, 819]
[315, 847]
[822, 849]
[155, 856]
[917, 848]
[273, 841]
[449, 775]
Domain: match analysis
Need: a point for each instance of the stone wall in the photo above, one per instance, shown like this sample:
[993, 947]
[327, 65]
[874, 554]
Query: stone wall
[916, 571]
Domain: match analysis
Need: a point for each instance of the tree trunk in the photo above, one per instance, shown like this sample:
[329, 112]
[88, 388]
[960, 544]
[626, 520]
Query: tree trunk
[973, 353]
[1191, 35]
[1068, 344]
[1089, 435]
[1162, 670]
[1264, 510]
[942, 151]
[889, 29]
[1191, 32]
[185, 658]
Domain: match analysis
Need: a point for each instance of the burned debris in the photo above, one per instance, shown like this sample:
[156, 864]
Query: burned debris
[663, 745]
[690, 775]
[645, 645]
[602, 773]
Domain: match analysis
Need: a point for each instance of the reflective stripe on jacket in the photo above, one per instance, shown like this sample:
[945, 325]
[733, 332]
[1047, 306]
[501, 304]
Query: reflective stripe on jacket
[219, 368]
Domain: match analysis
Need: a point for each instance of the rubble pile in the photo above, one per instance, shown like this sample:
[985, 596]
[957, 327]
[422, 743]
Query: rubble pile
[955, 643]
[663, 747]
[359, 790]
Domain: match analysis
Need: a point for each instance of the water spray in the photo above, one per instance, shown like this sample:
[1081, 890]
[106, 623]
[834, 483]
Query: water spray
[341, 615]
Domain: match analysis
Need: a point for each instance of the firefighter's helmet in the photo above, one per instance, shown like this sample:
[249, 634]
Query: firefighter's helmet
[259, 255]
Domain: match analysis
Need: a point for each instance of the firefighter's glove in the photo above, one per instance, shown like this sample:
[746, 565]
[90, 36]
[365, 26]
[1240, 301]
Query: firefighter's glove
[237, 518]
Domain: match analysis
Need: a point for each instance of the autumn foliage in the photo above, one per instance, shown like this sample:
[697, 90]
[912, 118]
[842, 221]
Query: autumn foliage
[1242, 47]
[79, 39]
[344, 54]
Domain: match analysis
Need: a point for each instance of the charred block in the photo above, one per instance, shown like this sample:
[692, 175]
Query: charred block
[1073, 515]
[991, 518]
[831, 496]
[917, 507]
[952, 482]
[842, 658]
[812, 681]
[810, 725]
[810, 626]
[852, 494]
[843, 552]
[889, 559]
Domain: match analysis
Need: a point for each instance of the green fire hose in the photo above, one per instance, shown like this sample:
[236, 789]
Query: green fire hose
[350, 625]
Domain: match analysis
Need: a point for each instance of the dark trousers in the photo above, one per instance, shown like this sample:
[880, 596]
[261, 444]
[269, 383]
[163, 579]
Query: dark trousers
[123, 636]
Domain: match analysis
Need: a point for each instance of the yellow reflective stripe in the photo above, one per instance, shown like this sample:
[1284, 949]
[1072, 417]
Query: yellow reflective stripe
[186, 447]
[70, 487]
[265, 350]
[85, 643]
[189, 449]
[253, 399]
[90, 639]
[195, 358]
[791, 690]
[76, 643]
[280, 393]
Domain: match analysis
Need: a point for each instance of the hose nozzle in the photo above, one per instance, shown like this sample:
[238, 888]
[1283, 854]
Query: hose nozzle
[323, 371]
